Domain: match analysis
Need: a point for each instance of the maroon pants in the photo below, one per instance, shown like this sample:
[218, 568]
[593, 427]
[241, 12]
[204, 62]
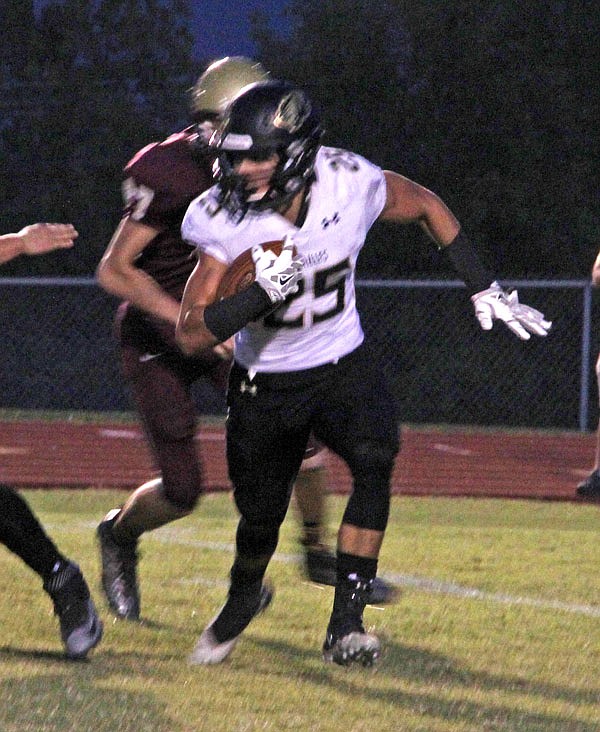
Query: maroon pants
[160, 377]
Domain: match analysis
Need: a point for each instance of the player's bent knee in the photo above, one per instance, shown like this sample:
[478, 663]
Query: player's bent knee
[371, 465]
[371, 456]
[183, 496]
[256, 539]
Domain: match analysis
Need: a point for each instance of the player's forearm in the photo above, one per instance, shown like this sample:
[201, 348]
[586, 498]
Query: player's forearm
[140, 290]
[11, 246]
[443, 227]
[202, 326]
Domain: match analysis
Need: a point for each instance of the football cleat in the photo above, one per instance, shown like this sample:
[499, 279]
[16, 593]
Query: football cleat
[346, 640]
[320, 565]
[80, 627]
[354, 647]
[383, 593]
[119, 571]
[590, 487]
[208, 649]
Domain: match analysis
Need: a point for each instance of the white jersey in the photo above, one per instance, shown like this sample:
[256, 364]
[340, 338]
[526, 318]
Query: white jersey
[320, 323]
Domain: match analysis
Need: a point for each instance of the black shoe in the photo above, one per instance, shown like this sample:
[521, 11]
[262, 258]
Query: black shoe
[119, 571]
[590, 487]
[209, 649]
[383, 593]
[80, 626]
[320, 564]
[346, 640]
[321, 567]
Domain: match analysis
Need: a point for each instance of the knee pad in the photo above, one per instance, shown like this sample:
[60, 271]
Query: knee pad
[371, 466]
[182, 483]
[256, 539]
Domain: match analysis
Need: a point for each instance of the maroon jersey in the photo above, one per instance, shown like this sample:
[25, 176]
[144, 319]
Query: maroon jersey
[159, 183]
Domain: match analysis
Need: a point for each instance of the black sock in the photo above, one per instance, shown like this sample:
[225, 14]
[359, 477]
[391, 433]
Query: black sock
[348, 565]
[242, 604]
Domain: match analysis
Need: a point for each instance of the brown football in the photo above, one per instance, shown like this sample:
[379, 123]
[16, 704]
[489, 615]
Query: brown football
[240, 273]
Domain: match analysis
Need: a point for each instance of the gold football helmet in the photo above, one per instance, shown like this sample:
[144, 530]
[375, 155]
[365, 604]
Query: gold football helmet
[221, 82]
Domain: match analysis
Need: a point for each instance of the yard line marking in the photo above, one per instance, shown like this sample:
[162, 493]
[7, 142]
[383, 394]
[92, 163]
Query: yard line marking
[451, 588]
[425, 584]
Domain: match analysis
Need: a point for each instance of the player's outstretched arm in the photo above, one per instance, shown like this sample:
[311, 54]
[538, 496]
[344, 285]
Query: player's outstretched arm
[37, 239]
[408, 202]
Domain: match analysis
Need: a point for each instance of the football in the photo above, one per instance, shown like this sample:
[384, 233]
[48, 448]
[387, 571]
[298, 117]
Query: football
[240, 273]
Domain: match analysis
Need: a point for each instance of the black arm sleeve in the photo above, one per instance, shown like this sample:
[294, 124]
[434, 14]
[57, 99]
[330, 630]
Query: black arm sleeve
[467, 263]
[226, 317]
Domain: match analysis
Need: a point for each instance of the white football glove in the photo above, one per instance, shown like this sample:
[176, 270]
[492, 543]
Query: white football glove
[277, 275]
[497, 304]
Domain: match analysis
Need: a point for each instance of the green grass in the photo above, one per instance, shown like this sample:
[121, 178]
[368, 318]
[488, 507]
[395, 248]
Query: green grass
[497, 628]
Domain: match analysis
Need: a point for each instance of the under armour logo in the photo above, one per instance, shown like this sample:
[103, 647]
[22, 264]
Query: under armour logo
[325, 222]
[250, 388]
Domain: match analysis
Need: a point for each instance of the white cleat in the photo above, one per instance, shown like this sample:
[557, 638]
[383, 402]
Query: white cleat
[208, 650]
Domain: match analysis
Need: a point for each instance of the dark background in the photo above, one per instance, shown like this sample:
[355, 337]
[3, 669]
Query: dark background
[492, 105]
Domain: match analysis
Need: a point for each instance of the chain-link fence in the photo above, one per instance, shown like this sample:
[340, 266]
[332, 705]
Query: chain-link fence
[58, 353]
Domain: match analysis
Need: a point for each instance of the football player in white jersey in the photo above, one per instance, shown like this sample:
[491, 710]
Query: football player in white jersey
[299, 360]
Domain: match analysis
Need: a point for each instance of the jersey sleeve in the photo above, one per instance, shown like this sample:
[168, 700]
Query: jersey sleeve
[359, 179]
[370, 180]
[376, 193]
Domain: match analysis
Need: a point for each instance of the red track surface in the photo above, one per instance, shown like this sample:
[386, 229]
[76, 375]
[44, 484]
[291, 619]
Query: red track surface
[432, 462]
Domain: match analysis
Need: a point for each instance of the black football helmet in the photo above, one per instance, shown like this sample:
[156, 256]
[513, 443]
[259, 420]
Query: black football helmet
[265, 118]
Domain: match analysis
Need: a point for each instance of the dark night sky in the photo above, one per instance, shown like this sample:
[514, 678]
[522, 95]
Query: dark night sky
[221, 27]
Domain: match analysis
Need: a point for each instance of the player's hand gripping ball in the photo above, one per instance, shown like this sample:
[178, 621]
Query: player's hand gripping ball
[241, 273]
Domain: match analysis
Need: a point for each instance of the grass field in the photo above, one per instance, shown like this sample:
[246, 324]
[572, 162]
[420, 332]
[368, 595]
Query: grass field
[497, 628]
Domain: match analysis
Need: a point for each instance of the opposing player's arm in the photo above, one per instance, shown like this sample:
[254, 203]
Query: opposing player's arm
[37, 239]
[116, 273]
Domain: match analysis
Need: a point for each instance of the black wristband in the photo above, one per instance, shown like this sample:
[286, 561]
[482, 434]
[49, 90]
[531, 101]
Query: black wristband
[226, 317]
[467, 263]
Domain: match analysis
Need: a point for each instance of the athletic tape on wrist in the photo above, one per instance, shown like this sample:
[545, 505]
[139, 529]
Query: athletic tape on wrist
[468, 264]
[228, 316]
